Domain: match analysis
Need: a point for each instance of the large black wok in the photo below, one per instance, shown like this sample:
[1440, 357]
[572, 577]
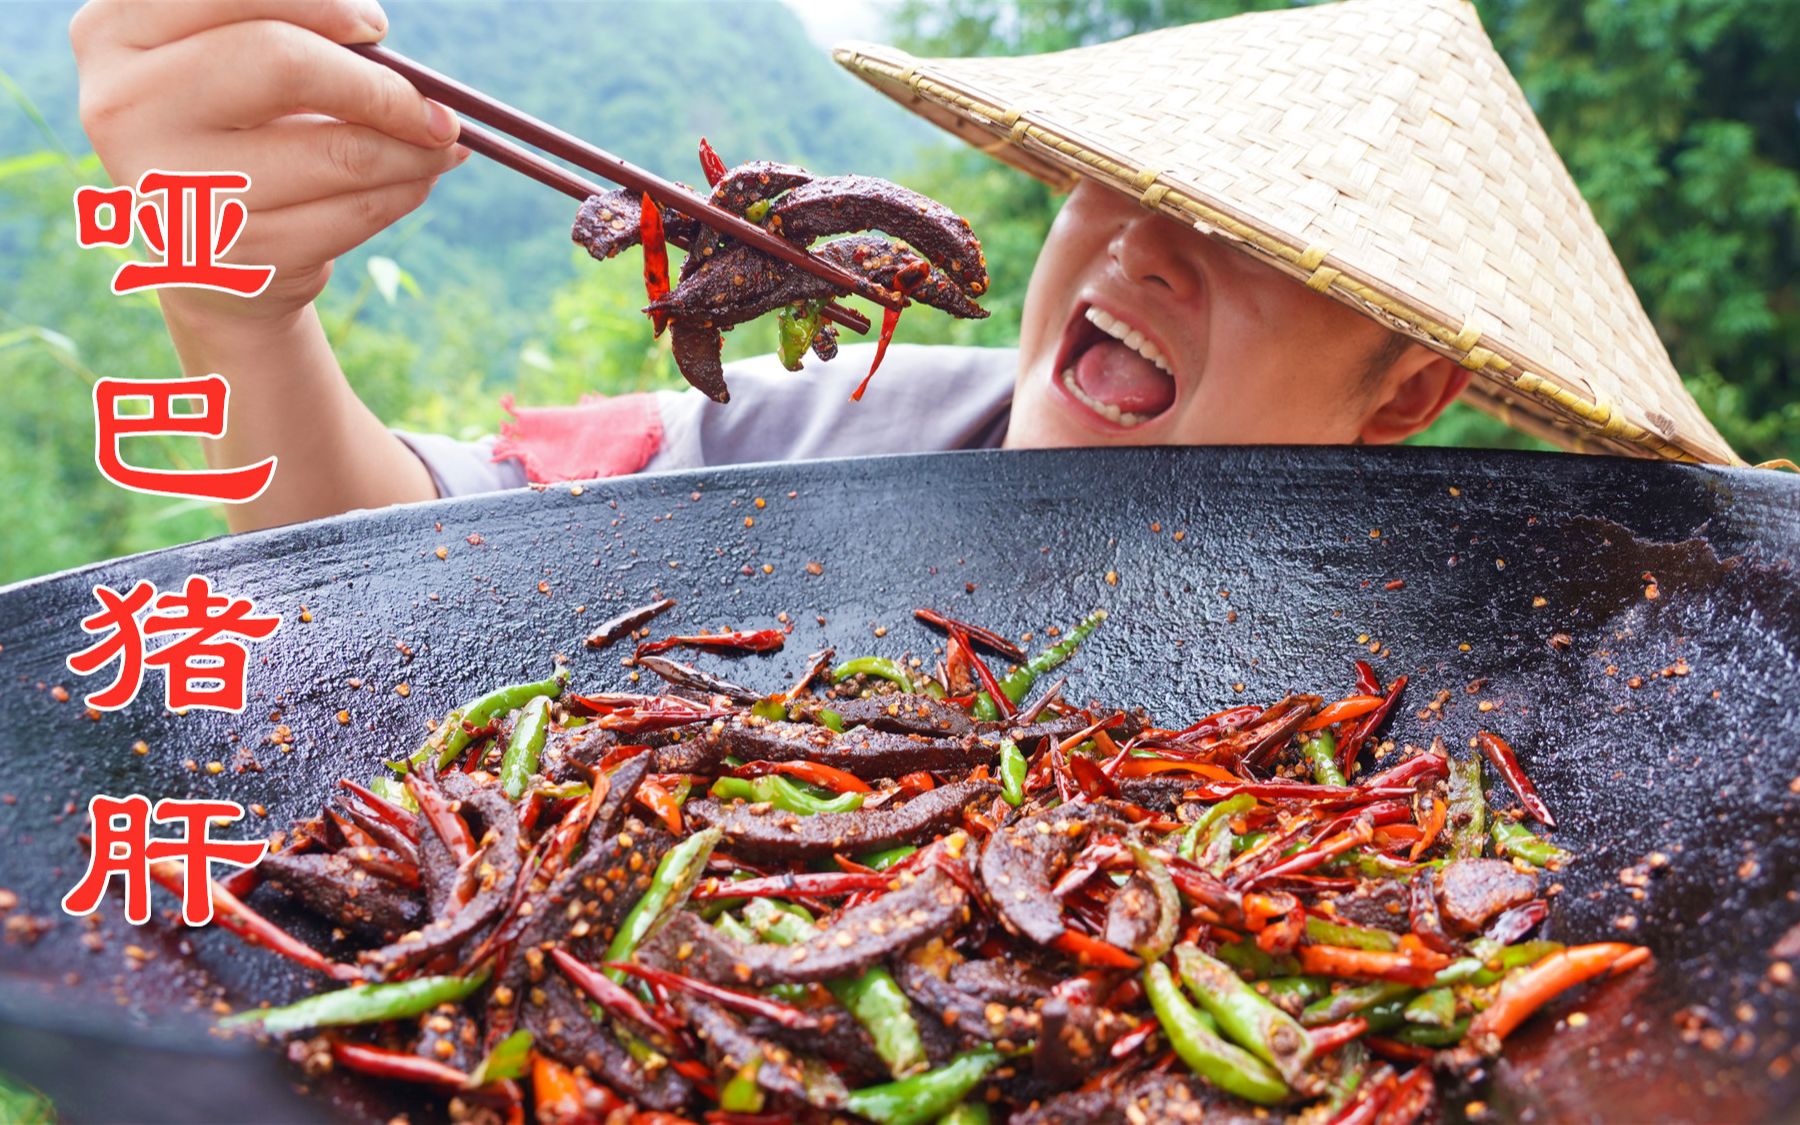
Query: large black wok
[1281, 571]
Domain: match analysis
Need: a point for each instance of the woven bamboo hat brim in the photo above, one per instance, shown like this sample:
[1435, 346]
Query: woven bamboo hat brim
[1377, 150]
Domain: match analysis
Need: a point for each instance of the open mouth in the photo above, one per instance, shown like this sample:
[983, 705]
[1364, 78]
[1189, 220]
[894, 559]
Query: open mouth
[1114, 370]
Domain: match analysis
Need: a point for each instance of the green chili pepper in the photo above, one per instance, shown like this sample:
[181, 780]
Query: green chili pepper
[1208, 821]
[508, 1059]
[1297, 991]
[674, 880]
[758, 211]
[1191, 1032]
[887, 857]
[1353, 1001]
[1513, 838]
[364, 1004]
[796, 325]
[1374, 865]
[830, 719]
[1468, 809]
[1321, 756]
[935, 690]
[729, 925]
[452, 736]
[1510, 957]
[1012, 772]
[1385, 1016]
[1434, 1006]
[1018, 682]
[873, 997]
[1422, 1036]
[1458, 970]
[394, 791]
[772, 709]
[520, 761]
[923, 1097]
[1225, 810]
[1353, 1061]
[968, 1113]
[784, 794]
[1249, 960]
[1168, 905]
[1245, 1015]
[1323, 931]
[741, 1094]
[876, 1001]
[878, 666]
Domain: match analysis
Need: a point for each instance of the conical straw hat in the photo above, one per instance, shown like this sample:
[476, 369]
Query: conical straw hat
[1377, 150]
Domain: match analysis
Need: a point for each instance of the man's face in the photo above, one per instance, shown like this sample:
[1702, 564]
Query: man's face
[1140, 331]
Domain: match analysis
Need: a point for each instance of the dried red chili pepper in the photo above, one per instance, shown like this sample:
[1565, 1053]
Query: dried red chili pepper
[1093, 951]
[987, 637]
[786, 1015]
[1359, 734]
[615, 998]
[1366, 681]
[1501, 755]
[251, 926]
[826, 884]
[626, 623]
[1344, 710]
[401, 1065]
[759, 640]
[908, 279]
[656, 258]
[815, 773]
[711, 166]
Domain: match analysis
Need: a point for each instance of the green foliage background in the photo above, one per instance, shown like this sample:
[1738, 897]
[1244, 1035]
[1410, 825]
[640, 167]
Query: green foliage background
[1677, 117]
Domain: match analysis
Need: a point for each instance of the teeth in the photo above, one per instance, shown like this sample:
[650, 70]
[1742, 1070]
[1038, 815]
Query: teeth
[1130, 337]
[1104, 409]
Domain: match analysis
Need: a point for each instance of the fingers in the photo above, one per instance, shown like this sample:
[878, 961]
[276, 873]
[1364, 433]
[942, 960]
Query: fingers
[295, 70]
[304, 157]
[143, 24]
[329, 227]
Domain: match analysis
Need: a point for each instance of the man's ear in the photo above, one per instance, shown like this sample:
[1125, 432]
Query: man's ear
[1415, 391]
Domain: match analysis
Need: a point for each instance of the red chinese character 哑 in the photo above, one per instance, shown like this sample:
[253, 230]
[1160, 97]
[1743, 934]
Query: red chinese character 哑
[123, 847]
[202, 666]
[183, 229]
[231, 486]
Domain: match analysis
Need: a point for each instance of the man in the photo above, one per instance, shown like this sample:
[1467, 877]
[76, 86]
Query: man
[1163, 309]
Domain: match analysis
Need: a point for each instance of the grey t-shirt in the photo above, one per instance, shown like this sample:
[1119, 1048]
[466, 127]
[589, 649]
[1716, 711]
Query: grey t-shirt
[924, 398]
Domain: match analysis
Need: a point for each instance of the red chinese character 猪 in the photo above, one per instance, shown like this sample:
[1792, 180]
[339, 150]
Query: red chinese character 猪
[123, 847]
[196, 657]
[200, 669]
[183, 229]
[230, 486]
[117, 626]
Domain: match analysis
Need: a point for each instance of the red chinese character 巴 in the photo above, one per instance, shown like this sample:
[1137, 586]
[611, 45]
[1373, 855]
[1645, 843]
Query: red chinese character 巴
[231, 486]
[183, 229]
[123, 847]
[202, 666]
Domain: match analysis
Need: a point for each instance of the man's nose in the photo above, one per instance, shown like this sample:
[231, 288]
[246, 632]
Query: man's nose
[1150, 248]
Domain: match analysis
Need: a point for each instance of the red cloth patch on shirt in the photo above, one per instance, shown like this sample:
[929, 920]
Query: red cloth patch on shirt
[602, 436]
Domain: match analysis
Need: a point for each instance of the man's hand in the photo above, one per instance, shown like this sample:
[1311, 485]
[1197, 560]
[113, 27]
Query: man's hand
[336, 147]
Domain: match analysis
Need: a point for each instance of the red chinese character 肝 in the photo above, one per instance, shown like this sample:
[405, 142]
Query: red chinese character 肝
[185, 229]
[203, 663]
[123, 847]
[230, 486]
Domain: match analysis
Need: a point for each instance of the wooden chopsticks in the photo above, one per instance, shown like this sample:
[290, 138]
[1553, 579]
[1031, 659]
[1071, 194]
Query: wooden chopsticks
[472, 103]
[502, 151]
